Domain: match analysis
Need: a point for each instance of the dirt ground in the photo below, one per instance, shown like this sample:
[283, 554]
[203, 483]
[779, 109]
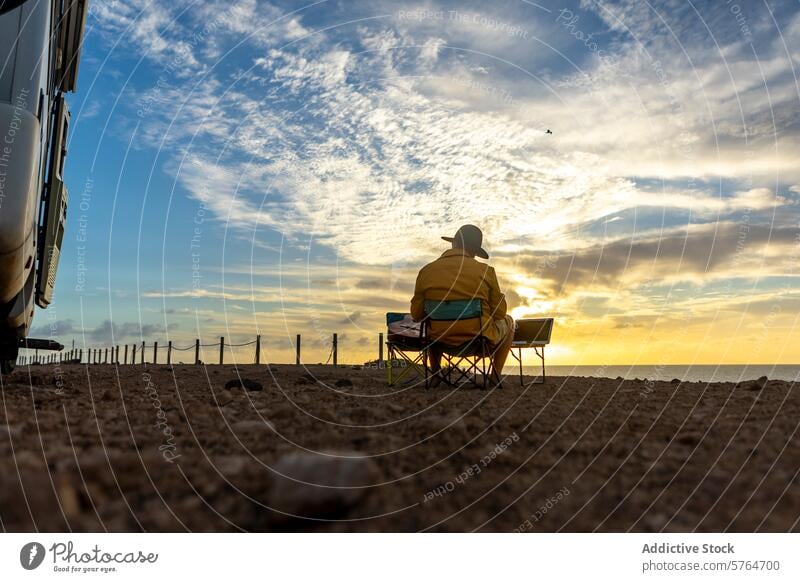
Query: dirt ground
[159, 448]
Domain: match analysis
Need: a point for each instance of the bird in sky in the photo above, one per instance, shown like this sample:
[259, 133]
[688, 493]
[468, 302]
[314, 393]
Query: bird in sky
[549, 132]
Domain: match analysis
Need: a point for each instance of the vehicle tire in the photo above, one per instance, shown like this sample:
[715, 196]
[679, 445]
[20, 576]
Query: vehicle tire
[8, 355]
[7, 366]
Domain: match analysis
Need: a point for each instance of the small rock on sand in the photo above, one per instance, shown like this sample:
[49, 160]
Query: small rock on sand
[320, 486]
[246, 383]
[246, 426]
[7, 431]
[759, 384]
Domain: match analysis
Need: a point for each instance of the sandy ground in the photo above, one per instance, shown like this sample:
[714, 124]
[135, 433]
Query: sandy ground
[333, 449]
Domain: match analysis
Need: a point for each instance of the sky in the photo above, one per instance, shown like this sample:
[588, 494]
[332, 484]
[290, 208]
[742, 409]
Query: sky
[287, 167]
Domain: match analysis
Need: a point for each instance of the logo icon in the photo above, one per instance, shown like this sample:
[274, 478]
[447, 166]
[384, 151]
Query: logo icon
[31, 555]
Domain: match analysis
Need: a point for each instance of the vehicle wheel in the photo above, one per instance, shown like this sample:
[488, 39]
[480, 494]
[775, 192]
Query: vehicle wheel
[8, 356]
[7, 366]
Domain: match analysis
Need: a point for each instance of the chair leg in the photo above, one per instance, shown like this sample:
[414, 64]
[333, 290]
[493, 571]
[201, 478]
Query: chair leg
[388, 364]
[425, 366]
[544, 374]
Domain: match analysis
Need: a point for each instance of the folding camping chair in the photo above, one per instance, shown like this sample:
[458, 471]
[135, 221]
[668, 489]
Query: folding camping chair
[474, 352]
[531, 333]
[406, 343]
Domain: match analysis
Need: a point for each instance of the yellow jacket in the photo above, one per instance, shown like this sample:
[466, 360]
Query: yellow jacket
[456, 275]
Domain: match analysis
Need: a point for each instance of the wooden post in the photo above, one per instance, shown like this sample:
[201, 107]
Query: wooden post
[133, 353]
[380, 348]
[143, 353]
[116, 356]
[106, 356]
[297, 347]
[81, 354]
[169, 352]
[221, 350]
[258, 349]
[155, 353]
[125, 359]
[197, 351]
[335, 349]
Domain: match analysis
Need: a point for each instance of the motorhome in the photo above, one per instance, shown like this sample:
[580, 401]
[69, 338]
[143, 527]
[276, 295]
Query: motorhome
[40, 45]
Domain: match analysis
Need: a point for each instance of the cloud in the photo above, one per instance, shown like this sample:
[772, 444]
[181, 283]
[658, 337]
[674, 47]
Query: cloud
[698, 254]
[314, 143]
[352, 318]
[106, 331]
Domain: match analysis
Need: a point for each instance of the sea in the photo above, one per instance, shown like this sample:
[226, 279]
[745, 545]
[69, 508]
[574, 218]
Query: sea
[688, 373]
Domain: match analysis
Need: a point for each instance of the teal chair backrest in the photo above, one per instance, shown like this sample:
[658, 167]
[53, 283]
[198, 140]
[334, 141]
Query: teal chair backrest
[454, 310]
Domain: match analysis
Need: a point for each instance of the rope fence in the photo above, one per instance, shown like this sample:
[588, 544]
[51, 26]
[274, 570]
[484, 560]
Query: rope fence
[143, 353]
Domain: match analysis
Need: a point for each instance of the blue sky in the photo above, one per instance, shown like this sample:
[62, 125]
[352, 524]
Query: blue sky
[283, 168]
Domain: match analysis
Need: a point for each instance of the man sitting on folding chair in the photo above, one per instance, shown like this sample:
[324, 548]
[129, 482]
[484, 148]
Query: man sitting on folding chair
[457, 276]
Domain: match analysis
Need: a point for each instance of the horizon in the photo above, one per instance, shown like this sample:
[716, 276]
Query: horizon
[279, 170]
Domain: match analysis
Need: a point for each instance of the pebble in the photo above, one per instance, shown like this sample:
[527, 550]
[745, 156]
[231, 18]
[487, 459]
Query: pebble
[328, 486]
[759, 384]
[246, 383]
[7, 431]
[244, 426]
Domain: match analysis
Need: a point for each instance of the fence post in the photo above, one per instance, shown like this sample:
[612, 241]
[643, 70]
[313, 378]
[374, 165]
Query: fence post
[125, 359]
[221, 350]
[335, 349]
[143, 353]
[297, 354]
[106, 356]
[197, 351]
[258, 349]
[133, 354]
[169, 352]
[380, 348]
[81, 354]
[155, 353]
